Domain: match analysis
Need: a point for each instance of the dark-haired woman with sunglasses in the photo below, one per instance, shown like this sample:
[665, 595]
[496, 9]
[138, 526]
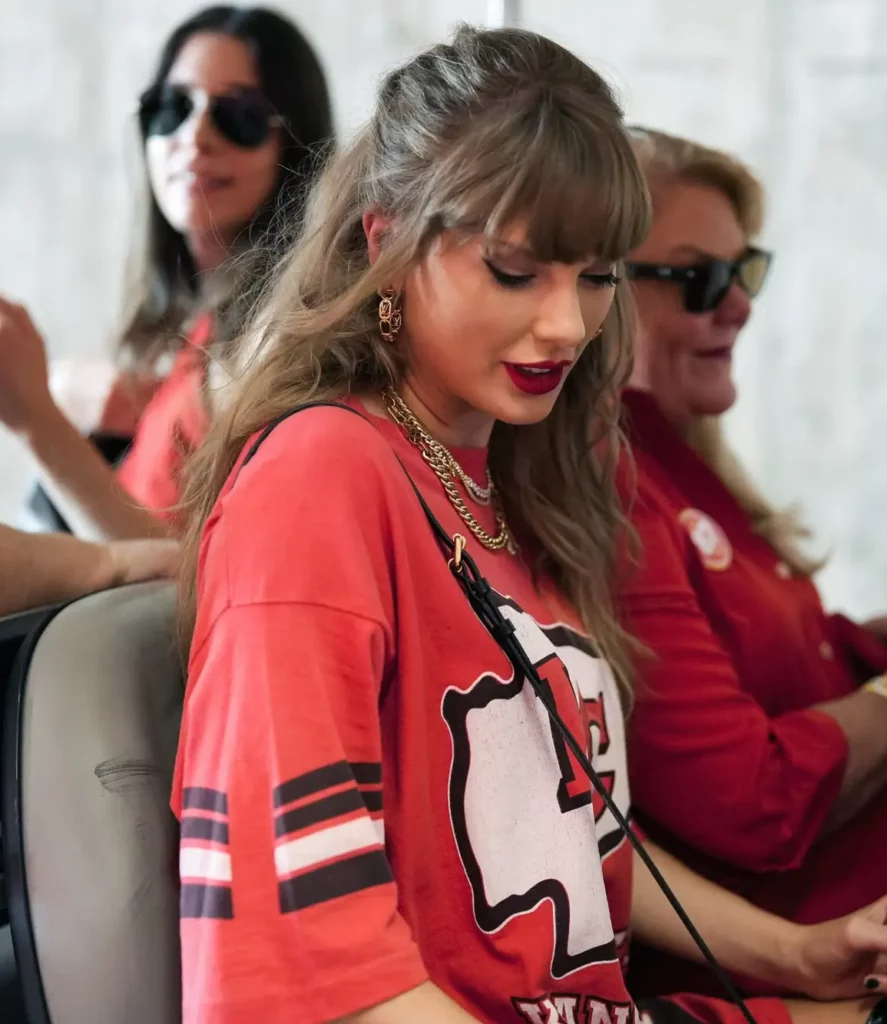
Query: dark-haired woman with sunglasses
[759, 738]
[231, 129]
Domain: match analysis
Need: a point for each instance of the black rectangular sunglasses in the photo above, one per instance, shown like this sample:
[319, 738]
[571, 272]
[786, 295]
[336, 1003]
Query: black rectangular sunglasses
[707, 282]
[245, 118]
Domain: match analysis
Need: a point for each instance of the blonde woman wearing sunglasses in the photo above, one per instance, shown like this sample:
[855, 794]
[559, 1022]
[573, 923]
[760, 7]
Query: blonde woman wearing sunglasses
[759, 747]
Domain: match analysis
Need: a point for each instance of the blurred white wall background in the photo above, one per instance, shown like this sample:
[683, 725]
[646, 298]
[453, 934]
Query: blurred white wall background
[798, 88]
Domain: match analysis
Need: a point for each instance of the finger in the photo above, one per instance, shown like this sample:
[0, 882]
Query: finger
[877, 911]
[10, 308]
[865, 934]
[19, 317]
[23, 317]
[9, 321]
[11, 315]
[875, 983]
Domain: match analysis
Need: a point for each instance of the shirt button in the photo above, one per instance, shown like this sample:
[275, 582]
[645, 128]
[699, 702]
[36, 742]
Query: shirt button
[826, 651]
[783, 571]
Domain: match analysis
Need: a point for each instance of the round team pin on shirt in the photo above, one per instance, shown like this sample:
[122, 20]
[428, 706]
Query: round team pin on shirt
[708, 538]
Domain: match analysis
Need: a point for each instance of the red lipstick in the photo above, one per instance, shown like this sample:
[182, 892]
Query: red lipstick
[536, 378]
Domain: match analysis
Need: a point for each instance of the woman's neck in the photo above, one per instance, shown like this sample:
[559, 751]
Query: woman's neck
[470, 430]
[680, 419]
[208, 251]
[452, 422]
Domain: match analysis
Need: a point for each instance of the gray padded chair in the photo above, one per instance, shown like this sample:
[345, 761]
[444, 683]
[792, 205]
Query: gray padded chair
[90, 732]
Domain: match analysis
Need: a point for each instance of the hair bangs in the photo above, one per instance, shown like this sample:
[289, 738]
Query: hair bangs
[577, 194]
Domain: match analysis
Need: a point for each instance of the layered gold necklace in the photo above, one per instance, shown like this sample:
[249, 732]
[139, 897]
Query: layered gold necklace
[448, 471]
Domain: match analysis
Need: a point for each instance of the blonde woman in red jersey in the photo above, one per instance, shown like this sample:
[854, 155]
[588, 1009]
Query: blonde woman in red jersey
[379, 824]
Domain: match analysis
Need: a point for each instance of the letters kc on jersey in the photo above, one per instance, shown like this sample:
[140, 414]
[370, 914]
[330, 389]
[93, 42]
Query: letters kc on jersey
[522, 809]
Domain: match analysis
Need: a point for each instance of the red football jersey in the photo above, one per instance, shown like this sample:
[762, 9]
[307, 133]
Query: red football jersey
[172, 426]
[369, 795]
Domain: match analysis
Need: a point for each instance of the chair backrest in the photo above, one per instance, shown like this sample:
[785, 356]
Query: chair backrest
[90, 732]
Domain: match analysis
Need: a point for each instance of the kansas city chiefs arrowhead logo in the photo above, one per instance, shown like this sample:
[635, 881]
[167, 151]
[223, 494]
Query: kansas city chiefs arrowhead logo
[522, 810]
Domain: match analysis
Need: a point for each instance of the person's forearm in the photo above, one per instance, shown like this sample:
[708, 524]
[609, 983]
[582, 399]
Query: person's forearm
[847, 1011]
[744, 938]
[85, 486]
[863, 718]
[426, 1004]
[37, 569]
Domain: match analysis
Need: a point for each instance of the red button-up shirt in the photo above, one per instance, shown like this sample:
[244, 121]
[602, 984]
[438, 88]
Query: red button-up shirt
[730, 766]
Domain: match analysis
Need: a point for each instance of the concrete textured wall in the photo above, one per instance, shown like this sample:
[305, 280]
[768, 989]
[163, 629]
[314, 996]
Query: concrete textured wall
[796, 87]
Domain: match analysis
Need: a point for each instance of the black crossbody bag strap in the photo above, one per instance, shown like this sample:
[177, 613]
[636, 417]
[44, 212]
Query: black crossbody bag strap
[479, 594]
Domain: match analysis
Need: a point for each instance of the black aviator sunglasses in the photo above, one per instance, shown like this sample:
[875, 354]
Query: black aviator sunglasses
[706, 283]
[245, 118]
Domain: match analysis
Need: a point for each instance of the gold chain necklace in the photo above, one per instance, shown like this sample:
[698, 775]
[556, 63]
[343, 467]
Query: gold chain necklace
[482, 495]
[441, 460]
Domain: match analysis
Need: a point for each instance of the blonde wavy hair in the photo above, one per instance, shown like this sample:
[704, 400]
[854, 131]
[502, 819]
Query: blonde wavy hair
[666, 159]
[496, 128]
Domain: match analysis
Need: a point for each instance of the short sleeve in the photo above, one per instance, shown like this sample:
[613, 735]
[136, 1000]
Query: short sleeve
[288, 899]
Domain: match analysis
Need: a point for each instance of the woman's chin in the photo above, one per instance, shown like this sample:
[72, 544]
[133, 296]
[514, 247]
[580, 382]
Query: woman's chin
[715, 401]
[525, 410]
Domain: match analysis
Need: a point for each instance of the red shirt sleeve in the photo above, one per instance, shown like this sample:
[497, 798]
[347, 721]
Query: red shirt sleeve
[289, 907]
[701, 749]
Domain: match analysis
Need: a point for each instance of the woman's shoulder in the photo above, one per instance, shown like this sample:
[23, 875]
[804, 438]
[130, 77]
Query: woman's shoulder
[646, 489]
[307, 516]
[334, 434]
[330, 454]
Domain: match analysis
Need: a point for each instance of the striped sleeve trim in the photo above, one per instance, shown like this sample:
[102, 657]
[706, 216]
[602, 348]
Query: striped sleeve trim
[206, 901]
[367, 773]
[205, 828]
[303, 817]
[204, 856]
[198, 798]
[327, 844]
[330, 834]
[364, 773]
[340, 878]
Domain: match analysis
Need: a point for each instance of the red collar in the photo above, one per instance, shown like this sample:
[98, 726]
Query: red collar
[201, 332]
[651, 433]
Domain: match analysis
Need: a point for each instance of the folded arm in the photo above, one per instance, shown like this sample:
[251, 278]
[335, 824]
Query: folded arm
[773, 784]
